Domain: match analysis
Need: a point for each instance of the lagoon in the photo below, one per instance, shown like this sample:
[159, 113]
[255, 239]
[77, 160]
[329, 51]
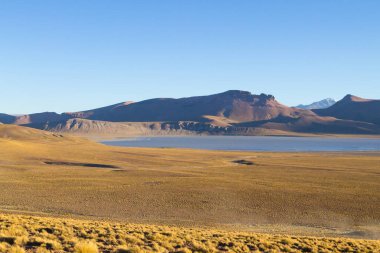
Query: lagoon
[253, 143]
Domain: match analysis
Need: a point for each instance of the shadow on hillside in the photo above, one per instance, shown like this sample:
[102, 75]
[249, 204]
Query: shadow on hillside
[91, 165]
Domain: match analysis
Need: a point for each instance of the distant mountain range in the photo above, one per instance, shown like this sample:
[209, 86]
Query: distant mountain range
[232, 112]
[325, 103]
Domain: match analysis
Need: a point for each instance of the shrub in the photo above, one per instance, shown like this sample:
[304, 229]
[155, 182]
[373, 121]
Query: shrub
[86, 247]
[124, 249]
[3, 247]
[16, 249]
[42, 250]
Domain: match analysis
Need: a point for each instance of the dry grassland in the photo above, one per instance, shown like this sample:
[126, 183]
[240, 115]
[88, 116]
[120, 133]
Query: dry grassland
[42, 235]
[324, 194]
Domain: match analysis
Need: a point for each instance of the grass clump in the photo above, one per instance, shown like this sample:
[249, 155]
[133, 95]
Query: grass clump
[86, 247]
[16, 249]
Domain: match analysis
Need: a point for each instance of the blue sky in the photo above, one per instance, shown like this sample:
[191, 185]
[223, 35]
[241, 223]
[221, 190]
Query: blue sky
[75, 55]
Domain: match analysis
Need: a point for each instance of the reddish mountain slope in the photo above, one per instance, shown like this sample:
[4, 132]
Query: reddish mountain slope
[234, 105]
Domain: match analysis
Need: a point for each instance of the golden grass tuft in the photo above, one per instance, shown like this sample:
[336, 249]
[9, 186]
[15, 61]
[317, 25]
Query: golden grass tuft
[16, 249]
[86, 247]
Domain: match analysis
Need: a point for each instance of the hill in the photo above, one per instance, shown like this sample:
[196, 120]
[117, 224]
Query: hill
[40, 118]
[7, 119]
[19, 133]
[354, 108]
[230, 106]
[314, 124]
[233, 105]
[34, 118]
[99, 113]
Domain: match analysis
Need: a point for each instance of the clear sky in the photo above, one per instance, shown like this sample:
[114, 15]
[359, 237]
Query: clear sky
[74, 54]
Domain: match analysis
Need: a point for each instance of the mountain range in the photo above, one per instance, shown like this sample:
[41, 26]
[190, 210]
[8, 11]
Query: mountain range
[325, 103]
[232, 112]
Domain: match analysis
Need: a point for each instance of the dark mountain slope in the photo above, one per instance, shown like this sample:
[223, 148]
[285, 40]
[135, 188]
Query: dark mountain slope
[354, 108]
[40, 118]
[7, 119]
[309, 123]
[97, 113]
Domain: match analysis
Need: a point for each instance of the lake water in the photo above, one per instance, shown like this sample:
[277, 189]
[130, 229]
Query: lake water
[254, 143]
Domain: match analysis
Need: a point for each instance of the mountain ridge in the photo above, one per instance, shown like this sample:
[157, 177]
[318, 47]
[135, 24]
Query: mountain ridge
[233, 104]
[322, 104]
[233, 112]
